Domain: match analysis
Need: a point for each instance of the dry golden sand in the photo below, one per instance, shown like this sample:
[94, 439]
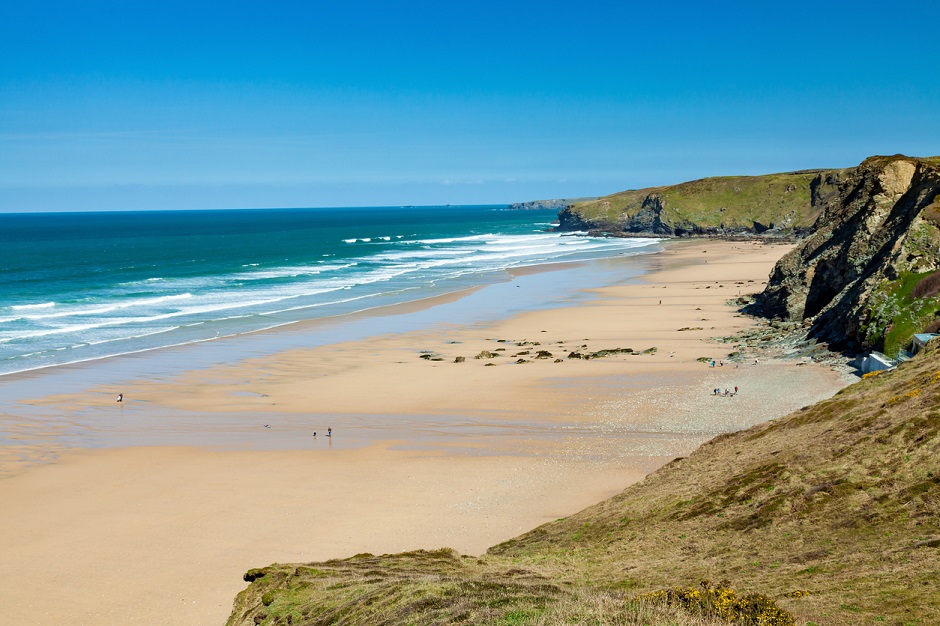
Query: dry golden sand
[446, 454]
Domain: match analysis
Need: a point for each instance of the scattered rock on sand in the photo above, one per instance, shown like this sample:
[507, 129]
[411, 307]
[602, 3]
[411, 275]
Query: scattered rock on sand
[486, 354]
[460, 359]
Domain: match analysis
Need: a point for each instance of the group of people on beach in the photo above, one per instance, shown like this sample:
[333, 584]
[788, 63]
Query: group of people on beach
[717, 392]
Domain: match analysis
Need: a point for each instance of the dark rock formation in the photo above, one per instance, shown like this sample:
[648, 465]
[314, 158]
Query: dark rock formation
[851, 282]
[570, 220]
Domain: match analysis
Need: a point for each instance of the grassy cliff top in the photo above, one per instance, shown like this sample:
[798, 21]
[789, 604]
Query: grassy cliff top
[789, 201]
[734, 201]
[833, 511]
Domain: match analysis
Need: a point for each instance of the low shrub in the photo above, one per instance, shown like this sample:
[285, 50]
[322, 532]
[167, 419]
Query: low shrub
[723, 602]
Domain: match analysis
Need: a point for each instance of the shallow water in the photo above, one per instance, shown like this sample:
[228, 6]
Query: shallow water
[25, 420]
[78, 287]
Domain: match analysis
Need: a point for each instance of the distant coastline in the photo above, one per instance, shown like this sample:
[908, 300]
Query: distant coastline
[556, 204]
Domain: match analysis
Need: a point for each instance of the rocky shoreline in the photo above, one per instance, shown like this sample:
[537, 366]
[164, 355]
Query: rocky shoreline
[780, 339]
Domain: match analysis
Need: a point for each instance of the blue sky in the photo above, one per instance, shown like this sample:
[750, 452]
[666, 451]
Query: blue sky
[149, 105]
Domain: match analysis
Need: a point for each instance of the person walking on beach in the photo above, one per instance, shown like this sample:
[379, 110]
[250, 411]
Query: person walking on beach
[120, 397]
[735, 390]
[329, 432]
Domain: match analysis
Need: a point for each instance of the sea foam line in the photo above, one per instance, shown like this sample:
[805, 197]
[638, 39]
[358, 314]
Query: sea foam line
[107, 309]
[29, 307]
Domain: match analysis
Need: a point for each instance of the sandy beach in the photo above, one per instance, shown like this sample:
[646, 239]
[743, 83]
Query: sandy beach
[169, 497]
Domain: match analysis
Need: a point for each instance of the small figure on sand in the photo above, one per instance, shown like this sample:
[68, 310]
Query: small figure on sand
[329, 432]
[267, 426]
[120, 397]
[314, 434]
[735, 389]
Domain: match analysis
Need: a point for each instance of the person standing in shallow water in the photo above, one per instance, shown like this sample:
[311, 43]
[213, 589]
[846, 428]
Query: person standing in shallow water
[329, 432]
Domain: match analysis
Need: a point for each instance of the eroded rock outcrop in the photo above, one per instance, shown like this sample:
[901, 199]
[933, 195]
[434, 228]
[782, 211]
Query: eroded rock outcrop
[852, 281]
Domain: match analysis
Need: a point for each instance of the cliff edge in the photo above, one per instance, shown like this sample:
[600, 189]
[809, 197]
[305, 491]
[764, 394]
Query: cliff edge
[865, 278]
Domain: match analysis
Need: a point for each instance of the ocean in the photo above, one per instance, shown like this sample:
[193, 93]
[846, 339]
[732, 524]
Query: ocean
[81, 286]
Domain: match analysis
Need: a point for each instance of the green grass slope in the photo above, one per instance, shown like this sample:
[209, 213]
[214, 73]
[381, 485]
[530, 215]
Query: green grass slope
[833, 512]
[434, 587]
[789, 202]
[841, 499]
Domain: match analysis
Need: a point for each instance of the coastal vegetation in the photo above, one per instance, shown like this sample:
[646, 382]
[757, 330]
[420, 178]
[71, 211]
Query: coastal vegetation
[785, 203]
[831, 514]
[898, 309]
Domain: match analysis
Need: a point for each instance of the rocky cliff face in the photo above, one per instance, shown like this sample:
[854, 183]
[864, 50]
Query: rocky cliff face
[779, 203]
[858, 281]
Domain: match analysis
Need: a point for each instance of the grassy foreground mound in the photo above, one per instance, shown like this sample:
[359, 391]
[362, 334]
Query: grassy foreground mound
[436, 587]
[832, 512]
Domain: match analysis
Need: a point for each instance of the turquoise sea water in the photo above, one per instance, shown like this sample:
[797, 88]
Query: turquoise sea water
[81, 286]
